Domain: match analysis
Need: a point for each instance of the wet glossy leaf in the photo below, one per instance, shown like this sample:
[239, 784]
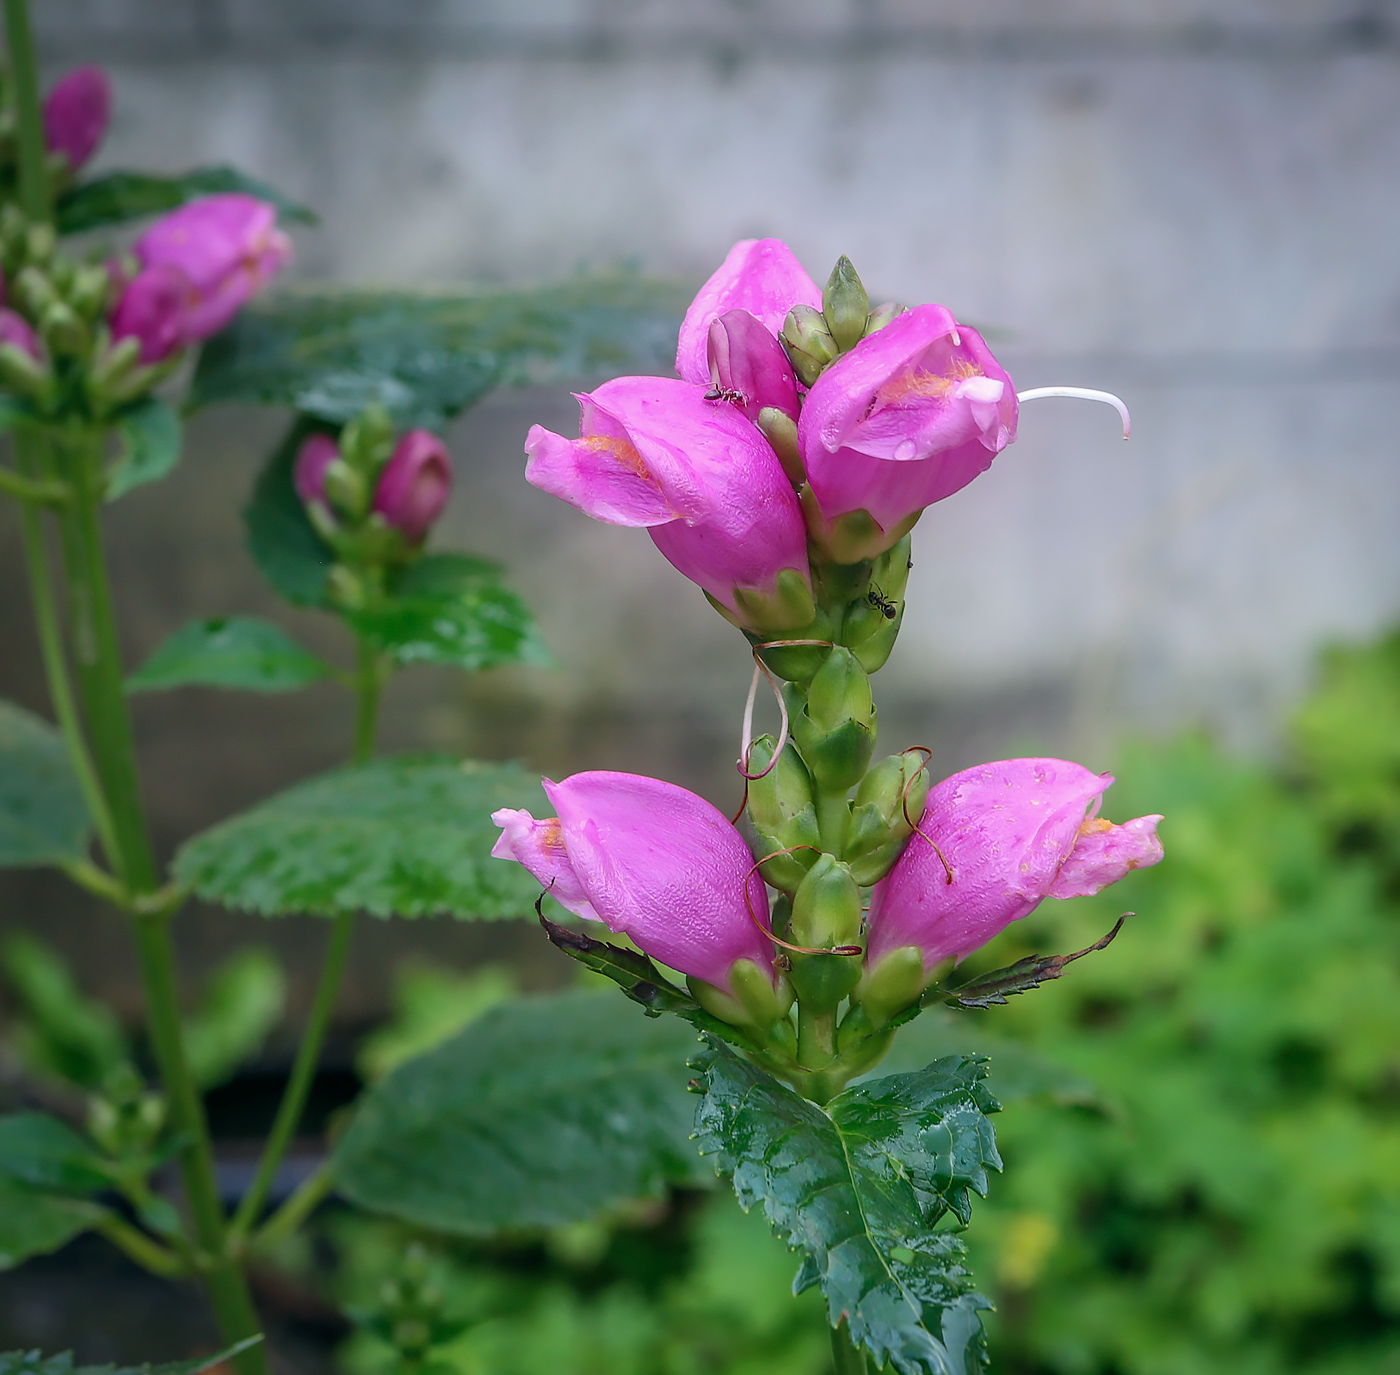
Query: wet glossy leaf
[33, 1223]
[229, 652]
[427, 356]
[33, 1363]
[150, 438]
[406, 836]
[43, 818]
[455, 610]
[46, 1153]
[1026, 974]
[544, 1111]
[861, 1187]
[120, 197]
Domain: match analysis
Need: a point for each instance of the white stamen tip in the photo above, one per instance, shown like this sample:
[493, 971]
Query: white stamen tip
[1084, 394]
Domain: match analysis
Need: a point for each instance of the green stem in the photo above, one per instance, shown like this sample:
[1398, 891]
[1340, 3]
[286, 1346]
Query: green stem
[833, 822]
[816, 1038]
[33, 156]
[846, 1357]
[289, 1217]
[148, 1254]
[23, 489]
[369, 683]
[293, 1103]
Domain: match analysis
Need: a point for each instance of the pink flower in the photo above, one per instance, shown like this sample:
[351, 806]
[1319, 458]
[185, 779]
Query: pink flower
[317, 453]
[153, 309]
[909, 416]
[227, 246]
[652, 860]
[748, 366]
[76, 113]
[654, 452]
[1011, 833]
[16, 330]
[761, 276]
[414, 484]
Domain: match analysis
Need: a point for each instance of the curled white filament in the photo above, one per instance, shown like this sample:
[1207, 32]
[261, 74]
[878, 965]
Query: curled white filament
[1084, 394]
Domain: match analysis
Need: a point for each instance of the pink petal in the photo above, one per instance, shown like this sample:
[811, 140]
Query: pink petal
[539, 846]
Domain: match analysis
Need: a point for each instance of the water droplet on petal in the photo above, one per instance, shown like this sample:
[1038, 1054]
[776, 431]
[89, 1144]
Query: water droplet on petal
[905, 450]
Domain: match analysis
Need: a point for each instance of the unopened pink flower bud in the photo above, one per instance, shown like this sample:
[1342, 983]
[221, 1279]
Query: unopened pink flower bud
[909, 416]
[317, 453]
[748, 367]
[761, 276]
[993, 842]
[76, 113]
[153, 309]
[414, 485]
[227, 246]
[650, 859]
[16, 330]
[704, 481]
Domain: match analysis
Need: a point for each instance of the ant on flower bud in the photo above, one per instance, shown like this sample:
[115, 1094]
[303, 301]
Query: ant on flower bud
[877, 599]
[718, 393]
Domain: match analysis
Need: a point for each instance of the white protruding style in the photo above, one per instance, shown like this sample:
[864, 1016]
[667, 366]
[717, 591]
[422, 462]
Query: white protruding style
[1084, 394]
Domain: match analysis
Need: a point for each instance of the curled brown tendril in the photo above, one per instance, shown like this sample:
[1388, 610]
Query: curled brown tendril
[904, 807]
[767, 931]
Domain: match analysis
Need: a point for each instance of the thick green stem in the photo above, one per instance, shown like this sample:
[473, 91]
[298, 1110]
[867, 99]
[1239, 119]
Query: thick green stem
[303, 1071]
[816, 1038]
[369, 683]
[33, 158]
[846, 1357]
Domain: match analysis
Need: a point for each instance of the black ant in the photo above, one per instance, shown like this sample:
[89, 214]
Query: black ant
[877, 599]
[718, 393]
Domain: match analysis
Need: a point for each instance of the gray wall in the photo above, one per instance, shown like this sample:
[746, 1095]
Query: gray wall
[1191, 202]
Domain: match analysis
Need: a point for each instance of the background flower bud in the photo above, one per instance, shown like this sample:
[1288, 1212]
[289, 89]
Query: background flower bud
[76, 113]
[748, 365]
[845, 305]
[317, 453]
[993, 842]
[16, 330]
[808, 343]
[415, 484]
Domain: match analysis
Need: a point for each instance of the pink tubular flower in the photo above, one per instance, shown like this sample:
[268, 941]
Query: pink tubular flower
[654, 452]
[152, 309]
[76, 112]
[414, 485]
[909, 416]
[1011, 834]
[317, 453]
[16, 330]
[748, 366]
[652, 860]
[227, 246]
[761, 276]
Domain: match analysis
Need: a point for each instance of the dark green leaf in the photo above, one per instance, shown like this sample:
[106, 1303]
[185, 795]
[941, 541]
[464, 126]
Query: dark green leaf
[32, 1363]
[453, 609]
[860, 1188]
[242, 1003]
[33, 1223]
[545, 1111]
[406, 836]
[1024, 975]
[282, 541]
[330, 353]
[229, 652]
[120, 197]
[44, 1152]
[43, 818]
[150, 438]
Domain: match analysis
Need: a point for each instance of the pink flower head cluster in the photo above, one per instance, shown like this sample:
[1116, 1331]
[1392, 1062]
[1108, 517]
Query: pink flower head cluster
[198, 266]
[655, 861]
[410, 491]
[910, 414]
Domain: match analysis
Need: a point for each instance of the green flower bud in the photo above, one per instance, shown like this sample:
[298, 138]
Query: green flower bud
[872, 622]
[751, 1001]
[881, 316]
[345, 588]
[34, 292]
[22, 373]
[879, 829]
[63, 331]
[780, 430]
[826, 909]
[808, 342]
[346, 489]
[90, 291]
[40, 241]
[822, 981]
[782, 812]
[368, 440]
[892, 985]
[836, 729]
[845, 305]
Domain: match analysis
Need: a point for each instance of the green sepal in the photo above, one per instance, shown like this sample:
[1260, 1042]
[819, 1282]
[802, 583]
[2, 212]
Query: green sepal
[796, 663]
[780, 430]
[822, 981]
[826, 909]
[893, 985]
[808, 343]
[845, 305]
[782, 812]
[1024, 975]
[787, 608]
[854, 536]
[886, 808]
[835, 729]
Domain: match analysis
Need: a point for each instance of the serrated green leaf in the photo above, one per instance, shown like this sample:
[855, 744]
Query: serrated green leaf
[545, 1111]
[43, 818]
[46, 1153]
[281, 539]
[33, 1363]
[454, 610]
[242, 1002]
[427, 356]
[33, 1223]
[859, 1187]
[406, 836]
[150, 438]
[229, 652]
[120, 197]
